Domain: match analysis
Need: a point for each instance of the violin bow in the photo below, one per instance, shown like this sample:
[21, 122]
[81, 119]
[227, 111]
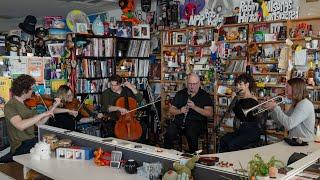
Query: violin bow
[82, 102]
[143, 106]
[44, 104]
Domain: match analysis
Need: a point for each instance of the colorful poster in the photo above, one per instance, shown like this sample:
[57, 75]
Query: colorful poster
[5, 85]
[36, 69]
[56, 83]
[18, 66]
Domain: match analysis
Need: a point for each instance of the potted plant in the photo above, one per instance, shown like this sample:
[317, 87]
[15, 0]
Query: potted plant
[274, 165]
[258, 169]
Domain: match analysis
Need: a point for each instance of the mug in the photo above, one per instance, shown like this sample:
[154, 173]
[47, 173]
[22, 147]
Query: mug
[131, 166]
[314, 44]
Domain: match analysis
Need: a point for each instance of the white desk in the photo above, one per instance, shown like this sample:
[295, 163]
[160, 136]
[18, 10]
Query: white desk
[280, 150]
[5, 177]
[71, 169]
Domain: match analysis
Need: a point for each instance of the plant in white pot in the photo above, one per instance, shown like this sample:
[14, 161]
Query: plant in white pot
[257, 168]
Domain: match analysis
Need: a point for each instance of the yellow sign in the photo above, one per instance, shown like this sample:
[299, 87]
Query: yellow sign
[5, 85]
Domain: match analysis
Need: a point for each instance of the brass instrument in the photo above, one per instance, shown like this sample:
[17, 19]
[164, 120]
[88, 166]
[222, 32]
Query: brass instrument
[259, 107]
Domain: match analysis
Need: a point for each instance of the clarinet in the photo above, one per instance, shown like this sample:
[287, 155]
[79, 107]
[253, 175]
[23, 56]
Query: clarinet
[185, 115]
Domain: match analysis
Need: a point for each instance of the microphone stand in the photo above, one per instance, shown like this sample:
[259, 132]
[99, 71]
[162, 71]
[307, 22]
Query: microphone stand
[230, 107]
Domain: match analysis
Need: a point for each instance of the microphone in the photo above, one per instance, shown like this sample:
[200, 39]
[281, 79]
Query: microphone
[233, 102]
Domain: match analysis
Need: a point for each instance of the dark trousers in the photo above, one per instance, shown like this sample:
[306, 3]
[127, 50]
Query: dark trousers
[64, 121]
[247, 134]
[25, 147]
[192, 132]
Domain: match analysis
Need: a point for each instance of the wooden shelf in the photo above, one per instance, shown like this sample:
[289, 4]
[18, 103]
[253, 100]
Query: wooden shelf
[271, 62]
[174, 45]
[94, 57]
[235, 58]
[269, 73]
[270, 22]
[155, 81]
[205, 45]
[236, 25]
[177, 81]
[236, 41]
[271, 42]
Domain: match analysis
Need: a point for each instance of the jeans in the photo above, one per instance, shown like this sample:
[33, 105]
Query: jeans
[247, 134]
[25, 146]
[192, 132]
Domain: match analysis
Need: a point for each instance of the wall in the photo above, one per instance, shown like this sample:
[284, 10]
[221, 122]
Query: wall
[310, 9]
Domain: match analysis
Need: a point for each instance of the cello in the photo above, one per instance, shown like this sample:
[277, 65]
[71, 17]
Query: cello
[127, 126]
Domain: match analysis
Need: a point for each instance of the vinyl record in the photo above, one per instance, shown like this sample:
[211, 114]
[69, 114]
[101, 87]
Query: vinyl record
[74, 17]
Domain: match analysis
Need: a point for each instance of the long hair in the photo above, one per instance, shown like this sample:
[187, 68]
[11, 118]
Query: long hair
[246, 78]
[22, 84]
[299, 90]
[62, 92]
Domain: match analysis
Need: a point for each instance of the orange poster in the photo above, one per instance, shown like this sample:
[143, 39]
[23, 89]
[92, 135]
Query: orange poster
[36, 69]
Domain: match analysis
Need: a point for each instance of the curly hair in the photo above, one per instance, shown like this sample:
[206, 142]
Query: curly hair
[22, 84]
[246, 78]
[116, 78]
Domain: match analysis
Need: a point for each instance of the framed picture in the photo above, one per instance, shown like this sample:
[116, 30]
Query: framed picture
[145, 31]
[82, 28]
[136, 31]
[56, 50]
[180, 38]
[124, 29]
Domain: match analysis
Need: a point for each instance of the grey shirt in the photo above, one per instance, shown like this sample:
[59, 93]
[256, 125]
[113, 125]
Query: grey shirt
[299, 121]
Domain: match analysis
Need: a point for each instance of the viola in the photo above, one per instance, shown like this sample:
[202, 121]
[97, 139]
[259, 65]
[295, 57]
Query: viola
[127, 126]
[75, 105]
[35, 100]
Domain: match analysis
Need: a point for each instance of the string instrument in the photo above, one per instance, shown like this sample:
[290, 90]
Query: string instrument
[127, 126]
[35, 100]
[75, 105]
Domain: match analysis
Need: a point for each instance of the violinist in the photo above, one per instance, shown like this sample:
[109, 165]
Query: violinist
[109, 98]
[65, 116]
[20, 119]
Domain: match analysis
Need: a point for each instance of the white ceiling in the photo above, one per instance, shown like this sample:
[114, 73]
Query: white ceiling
[13, 12]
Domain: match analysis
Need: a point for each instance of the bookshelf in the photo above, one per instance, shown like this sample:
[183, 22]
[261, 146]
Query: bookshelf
[269, 39]
[184, 51]
[98, 57]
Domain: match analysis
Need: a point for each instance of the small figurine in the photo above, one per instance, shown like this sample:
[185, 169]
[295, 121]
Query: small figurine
[40, 151]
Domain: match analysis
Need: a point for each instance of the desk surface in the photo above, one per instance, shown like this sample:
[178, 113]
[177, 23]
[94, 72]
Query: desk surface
[5, 177]
[280, 150]
[71, 169]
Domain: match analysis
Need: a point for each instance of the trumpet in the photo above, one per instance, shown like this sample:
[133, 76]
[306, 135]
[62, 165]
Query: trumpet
[260, 109]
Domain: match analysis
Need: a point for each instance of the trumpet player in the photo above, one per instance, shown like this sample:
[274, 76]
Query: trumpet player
[300, 119]
[249, 130]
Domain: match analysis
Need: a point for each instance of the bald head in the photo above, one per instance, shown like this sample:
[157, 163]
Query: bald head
[193, 83]
[193, 77]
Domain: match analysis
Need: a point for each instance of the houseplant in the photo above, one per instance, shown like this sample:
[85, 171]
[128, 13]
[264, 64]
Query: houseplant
[258, 169]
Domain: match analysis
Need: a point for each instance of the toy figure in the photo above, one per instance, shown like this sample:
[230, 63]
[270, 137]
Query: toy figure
[180, 168]
[127, 7]
[40, 151]
[102, 158]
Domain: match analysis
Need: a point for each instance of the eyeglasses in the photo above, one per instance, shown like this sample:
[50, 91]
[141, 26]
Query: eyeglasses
[193, 84]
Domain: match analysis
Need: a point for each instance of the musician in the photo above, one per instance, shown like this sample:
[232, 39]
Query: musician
[249, 130]
[109, 98]
[300, 119]
[64, 118]
[20, 119]
[194, 105]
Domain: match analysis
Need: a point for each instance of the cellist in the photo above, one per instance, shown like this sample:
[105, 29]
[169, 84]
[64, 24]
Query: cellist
[108, 100]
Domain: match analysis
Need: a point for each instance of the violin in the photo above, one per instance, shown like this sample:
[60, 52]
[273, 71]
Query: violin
[77, 106]
[35, 100]
[127, 126]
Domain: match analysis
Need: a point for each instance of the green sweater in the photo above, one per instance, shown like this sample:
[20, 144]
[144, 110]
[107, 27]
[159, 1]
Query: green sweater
[16, 108]
[109, 98]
